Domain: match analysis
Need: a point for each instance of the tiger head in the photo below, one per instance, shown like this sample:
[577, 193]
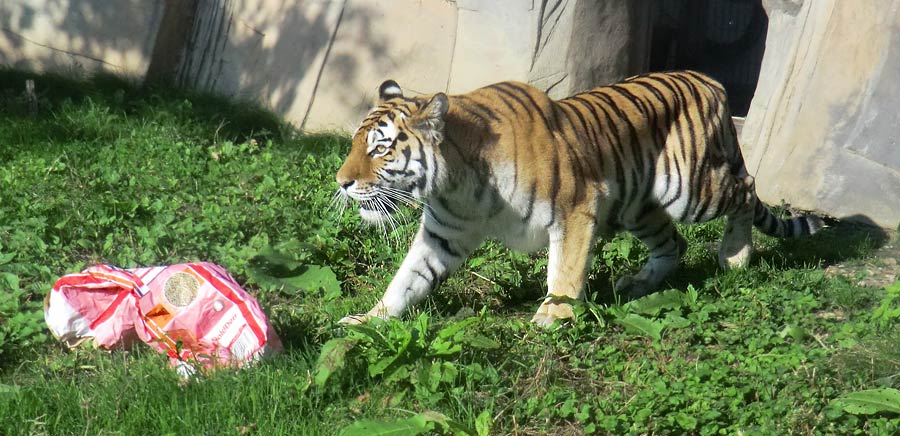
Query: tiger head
[394, 156]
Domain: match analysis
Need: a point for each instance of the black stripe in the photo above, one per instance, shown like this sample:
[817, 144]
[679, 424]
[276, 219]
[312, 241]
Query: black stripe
[588, 138]
[479, 192]
[442, 202]
[589, 128]
[706, 80]
[441, 222]
[423, 160]
[466, 158]
[554, 187]
[438, 278]
[485, 112]
[724, 203]
[678, 177]
[612, 220]
[645, 109]
[443, 242]
[530, 207]
[515, 149]
[435, 175]
[701, 170]
[634, 144]
[431, 269]
[404, 111]
[505, 92]
[656, 231]
[612, 133]
[533, 105]
[424, 277]
[688, 149]
[421, 182]
[681, 134]
[398, 172]
[702, 206]
[497, 205]
[575, 163]
[804, 226]
[650, 89]
[407, 153]
[418, 137]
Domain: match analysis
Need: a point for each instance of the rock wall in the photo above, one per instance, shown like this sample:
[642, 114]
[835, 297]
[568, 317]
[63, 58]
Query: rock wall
[319, 62]
[822, 130]
[79, 36]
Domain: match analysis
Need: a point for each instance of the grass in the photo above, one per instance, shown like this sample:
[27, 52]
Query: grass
[108, 172]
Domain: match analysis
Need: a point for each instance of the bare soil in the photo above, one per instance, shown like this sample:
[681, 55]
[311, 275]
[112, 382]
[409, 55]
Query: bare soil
[878, 270]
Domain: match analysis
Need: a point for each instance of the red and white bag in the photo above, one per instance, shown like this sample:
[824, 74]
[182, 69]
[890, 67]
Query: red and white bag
[196, 313]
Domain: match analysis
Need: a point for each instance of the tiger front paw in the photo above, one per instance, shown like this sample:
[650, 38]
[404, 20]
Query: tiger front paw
[379, 311]
[632, 287]
[550, 311]
[360, 318]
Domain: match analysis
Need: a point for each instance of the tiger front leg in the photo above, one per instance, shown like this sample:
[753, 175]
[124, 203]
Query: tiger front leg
[431, 258]
[569, 259]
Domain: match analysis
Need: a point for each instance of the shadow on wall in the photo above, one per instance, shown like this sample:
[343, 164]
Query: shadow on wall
[78, 37]
[275, 54]
[272, 53]
[344, 70]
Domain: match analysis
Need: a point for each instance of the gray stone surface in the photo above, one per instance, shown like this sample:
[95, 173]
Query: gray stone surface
[822, 129]
[79, 36]
[318, 63]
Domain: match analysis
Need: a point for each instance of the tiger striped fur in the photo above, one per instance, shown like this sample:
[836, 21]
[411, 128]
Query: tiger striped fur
[507, 162]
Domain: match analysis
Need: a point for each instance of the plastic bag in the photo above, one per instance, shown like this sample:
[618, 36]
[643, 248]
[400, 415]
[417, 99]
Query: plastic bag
[195, 313]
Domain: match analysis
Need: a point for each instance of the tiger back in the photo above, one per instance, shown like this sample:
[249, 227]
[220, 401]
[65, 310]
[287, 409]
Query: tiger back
[509, 163]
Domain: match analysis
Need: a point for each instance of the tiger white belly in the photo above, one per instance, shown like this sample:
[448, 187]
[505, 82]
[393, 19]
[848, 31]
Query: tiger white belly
[509, 228]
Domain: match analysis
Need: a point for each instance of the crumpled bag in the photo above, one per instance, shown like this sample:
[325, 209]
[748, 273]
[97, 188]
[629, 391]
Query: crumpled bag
[195, 313]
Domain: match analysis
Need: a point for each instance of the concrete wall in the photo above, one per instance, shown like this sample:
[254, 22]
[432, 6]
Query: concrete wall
[79, 36]
[319, 62]
[822, 131]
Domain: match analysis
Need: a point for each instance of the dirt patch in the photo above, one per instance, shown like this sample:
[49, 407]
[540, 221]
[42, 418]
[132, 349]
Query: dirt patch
[880, 269]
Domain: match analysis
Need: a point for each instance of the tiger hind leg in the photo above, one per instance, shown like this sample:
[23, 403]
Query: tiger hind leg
[737, 243]
[666, 248]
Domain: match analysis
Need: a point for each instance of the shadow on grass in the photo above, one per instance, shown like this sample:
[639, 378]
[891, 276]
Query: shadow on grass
[845, 240]
[219, 116]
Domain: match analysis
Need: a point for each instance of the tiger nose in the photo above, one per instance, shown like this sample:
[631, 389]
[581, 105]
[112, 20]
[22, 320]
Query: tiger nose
[345, 183]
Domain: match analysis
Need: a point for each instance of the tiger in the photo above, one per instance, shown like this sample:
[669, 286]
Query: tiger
[507, 162]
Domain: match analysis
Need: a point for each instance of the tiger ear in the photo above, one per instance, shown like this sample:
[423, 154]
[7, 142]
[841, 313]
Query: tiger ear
[388, 90]
[432, 114]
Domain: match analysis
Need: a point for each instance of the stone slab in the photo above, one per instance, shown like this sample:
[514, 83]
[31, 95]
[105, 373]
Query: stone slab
[821, 130]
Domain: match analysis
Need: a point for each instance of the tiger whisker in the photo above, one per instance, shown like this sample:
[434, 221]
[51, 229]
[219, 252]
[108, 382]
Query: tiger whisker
[402, 218]
[382, 206]
[338, 204]
[406, 197]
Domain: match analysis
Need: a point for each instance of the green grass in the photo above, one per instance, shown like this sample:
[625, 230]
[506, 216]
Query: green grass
[108, 172]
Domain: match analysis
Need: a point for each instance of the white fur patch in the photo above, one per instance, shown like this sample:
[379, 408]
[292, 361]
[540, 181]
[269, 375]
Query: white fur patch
[381, 135]
[372, 216]
[392, 91]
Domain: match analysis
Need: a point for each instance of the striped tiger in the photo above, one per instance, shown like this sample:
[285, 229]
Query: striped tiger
[507, 162]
